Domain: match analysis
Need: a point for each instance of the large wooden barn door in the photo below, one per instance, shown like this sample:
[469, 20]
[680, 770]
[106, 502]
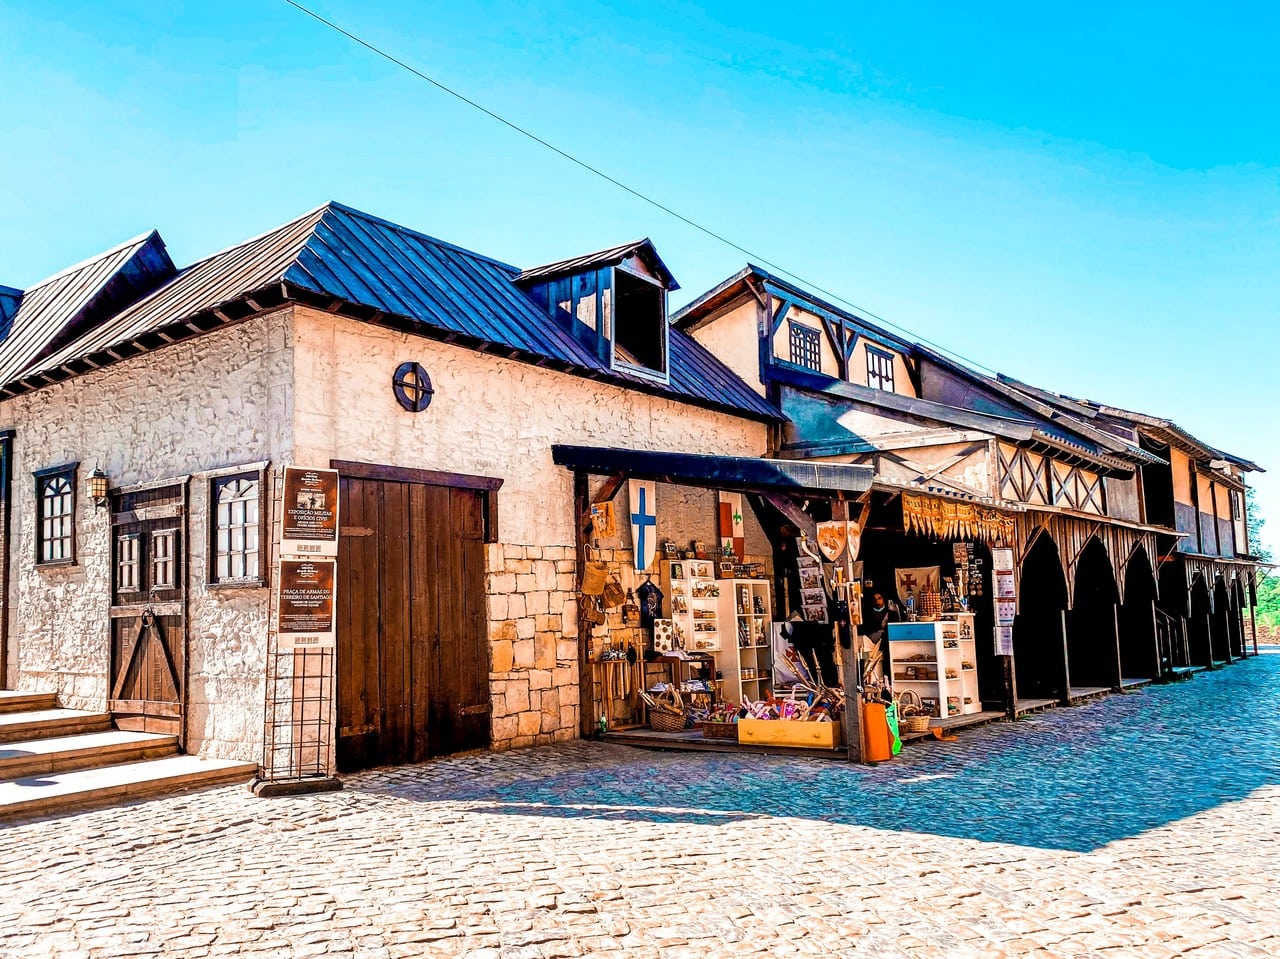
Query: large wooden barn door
[413, 656]
[148, 610]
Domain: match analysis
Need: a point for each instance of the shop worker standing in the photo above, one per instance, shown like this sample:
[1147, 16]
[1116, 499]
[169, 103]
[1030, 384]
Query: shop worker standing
[877, 614]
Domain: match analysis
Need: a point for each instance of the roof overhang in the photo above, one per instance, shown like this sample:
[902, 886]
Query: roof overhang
[734, 473]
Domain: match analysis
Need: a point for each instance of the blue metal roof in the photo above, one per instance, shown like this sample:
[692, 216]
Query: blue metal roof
[380, 267]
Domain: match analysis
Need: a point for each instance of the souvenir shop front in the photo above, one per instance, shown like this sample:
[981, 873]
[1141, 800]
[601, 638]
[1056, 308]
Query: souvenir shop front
[938, 605]
[709, 617]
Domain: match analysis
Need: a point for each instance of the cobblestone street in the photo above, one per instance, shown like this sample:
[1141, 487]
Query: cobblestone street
[1143, 825]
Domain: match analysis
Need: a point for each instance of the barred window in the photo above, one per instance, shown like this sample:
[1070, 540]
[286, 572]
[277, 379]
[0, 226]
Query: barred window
[879, 369]
[237, 523]
[56, 516]
[806, 347]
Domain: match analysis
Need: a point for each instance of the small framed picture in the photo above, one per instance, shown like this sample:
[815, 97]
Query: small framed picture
[726, 570]
[677, 571]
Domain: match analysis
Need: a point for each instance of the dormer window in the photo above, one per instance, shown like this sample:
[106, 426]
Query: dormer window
[614, 303]
[879, 369]
[639, 324]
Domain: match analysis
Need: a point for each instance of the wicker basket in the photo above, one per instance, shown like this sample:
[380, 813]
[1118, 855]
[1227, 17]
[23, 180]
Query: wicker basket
[914, 724]
[727, 732]
[662, 721]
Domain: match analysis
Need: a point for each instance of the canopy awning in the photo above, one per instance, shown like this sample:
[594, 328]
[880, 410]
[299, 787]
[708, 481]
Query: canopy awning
[734, 473]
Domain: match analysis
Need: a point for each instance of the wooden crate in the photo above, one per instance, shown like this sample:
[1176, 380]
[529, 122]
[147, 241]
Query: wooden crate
[785, 732]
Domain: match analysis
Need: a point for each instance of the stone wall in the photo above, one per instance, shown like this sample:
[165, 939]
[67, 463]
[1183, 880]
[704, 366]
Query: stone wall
[533, 629]
[216, 401]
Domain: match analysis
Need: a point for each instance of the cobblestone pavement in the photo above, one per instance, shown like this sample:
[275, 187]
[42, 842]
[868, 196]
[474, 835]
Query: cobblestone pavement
[1143, 825]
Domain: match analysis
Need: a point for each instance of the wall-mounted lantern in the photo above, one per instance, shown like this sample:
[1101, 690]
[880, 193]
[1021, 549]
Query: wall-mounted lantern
[98, 488]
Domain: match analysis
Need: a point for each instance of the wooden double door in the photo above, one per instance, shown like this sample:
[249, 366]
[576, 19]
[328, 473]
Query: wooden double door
[148, 610]
[413, 649]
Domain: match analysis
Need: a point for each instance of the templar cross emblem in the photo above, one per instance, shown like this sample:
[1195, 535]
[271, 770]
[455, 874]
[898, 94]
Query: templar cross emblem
[412, 387]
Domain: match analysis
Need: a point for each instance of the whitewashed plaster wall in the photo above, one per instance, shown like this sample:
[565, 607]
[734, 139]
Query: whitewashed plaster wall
[218, 400]
[734, 339]
[489, 417]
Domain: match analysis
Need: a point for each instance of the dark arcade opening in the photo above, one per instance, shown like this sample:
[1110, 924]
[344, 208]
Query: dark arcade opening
[1039, 644]
[1219, 623]
[1198, 623]
[1235, 622]
[1093, 656]
[1139, 653]
[1171, 613]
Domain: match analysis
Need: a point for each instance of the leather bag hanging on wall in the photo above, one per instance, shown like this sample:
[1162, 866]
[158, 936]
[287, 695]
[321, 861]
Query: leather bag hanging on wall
[612, 595]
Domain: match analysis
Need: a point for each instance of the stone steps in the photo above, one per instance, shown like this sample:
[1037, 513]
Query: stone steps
[54, 761]
[13, 701]
[110, 785]
[47, 723]
[37, 757]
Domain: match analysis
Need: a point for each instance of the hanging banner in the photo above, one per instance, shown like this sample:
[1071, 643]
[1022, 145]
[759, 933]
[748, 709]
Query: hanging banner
[833, 539]
[310, 524]
[643, 496]
[915, 580]
[305, 604]
[732, 538]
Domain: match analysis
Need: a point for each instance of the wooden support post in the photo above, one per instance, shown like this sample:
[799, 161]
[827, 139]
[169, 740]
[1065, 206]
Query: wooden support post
[1066, 659]
[1115, 638]
[1155, 637]
[586, 691]
[850, 663]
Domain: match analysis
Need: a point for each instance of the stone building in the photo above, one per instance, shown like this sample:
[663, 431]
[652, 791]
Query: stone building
[149, 411]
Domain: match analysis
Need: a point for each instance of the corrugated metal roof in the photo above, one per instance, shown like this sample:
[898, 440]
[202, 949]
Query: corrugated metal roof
[352, 257]
[76, 299]
[610, 257]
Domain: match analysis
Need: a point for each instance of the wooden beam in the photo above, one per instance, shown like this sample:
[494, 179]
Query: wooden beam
[586, 694]
[778, 316]
[610, 489]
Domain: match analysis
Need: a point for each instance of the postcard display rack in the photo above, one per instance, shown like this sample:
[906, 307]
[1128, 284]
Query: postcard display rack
[744, 603]
[939, 661]
[694, 594]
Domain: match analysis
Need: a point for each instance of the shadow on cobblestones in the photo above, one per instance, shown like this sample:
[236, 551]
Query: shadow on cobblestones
[1071, 779]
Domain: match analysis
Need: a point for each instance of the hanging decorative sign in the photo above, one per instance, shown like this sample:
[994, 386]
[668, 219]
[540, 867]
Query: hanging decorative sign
[310, 512]
[604, 524]
[733, 540]
[833, 539]
[305, 604]
[643, 496]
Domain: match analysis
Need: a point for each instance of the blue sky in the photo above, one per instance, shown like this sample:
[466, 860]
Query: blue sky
[1086, 199]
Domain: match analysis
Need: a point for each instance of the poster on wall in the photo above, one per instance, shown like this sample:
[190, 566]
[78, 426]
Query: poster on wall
[305, 604]
[1006, 609]
[1004, 640]
[310, 524]
[1002, 570]
[643, 497]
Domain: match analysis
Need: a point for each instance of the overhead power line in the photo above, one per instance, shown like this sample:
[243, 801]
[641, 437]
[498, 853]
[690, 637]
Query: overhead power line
[643, 197]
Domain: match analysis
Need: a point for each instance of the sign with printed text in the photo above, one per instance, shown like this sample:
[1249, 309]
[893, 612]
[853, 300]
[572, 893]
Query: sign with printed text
[310, 512]
[1004, 640]
[305, 604]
